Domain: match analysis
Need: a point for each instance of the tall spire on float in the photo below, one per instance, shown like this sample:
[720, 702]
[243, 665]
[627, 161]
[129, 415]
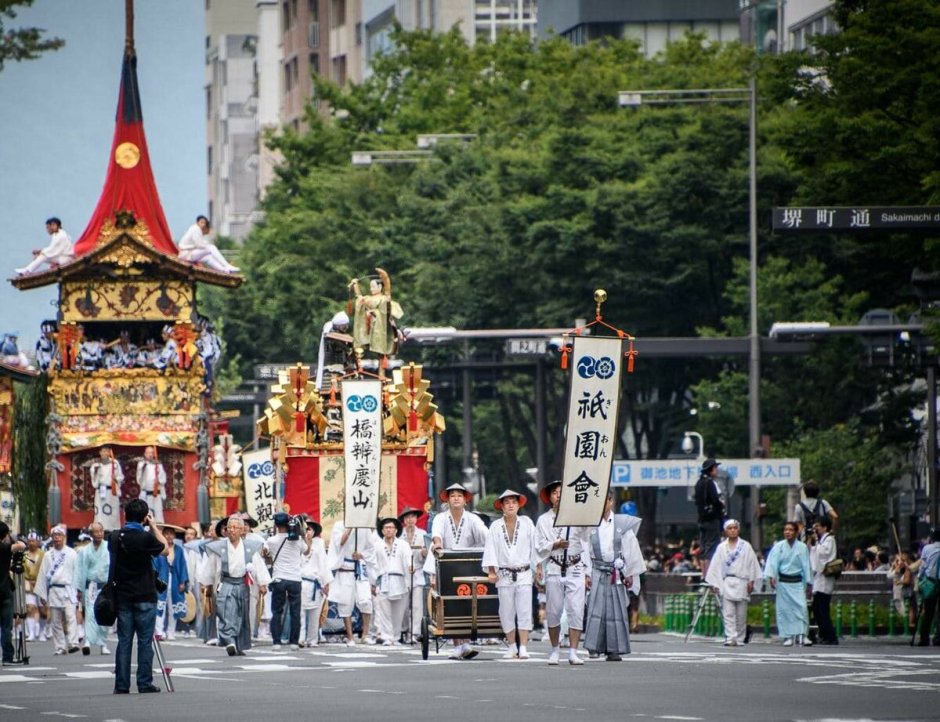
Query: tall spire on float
[129, 201]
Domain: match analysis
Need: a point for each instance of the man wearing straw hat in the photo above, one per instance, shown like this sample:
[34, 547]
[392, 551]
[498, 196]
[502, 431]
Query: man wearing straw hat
[566, 553]
[507, 561]
[456, 528]
[173, 571]
[392, 568]
[56, 591]
[417, 540]
[151, 478]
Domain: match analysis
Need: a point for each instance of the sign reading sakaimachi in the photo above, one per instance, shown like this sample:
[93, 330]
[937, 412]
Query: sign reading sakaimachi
[362, 439]
[591, 430]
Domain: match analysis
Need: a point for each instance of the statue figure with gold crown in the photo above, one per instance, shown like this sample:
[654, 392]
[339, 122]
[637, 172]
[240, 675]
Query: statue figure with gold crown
[376, 316]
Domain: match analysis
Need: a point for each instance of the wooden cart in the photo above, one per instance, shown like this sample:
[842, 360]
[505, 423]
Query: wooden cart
[463, 603]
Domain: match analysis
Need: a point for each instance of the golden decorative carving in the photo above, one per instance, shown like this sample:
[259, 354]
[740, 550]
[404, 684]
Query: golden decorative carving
[131, 300]
[110, 231]
[127, 392]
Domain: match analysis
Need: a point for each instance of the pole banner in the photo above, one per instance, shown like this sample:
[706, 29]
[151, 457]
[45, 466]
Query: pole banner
[591, 430]
[260, 498]
[362, 451]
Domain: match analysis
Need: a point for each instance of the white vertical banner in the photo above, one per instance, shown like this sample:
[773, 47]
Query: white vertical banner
[591, 430]
[362, 450]
[260, 499]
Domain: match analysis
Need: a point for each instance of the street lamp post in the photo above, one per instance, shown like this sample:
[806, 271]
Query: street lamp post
[633, 98]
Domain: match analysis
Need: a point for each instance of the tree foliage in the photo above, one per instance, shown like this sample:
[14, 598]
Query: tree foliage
[562, 191]
[29, 453]
[22, 43]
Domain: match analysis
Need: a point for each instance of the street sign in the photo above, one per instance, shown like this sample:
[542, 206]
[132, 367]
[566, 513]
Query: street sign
[679, 472]
[526, 346]
[856, 219]
[268, 372]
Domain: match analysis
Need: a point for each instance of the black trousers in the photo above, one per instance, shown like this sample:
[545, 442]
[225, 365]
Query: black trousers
[6, 620]
[282, 592]
[823, 617]
[927, 615]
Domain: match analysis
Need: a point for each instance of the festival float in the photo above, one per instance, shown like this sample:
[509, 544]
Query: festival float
[129, 359]
[357, 419]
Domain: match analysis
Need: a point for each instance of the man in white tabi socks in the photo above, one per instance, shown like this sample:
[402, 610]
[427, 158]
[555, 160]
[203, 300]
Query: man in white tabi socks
[106, 478]
[566, 552]
[616, 565]
[316, 577]
[392, 569]
[732, 572]
[56, 591]
[351, 555]
[456, 528]
[59, 252]
[507, 560]
[234, 563]
[91, 574]
[417, 540]
[196, 246]
[151, 478]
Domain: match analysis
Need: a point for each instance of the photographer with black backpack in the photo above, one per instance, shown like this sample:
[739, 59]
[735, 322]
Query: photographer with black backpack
[808, 511]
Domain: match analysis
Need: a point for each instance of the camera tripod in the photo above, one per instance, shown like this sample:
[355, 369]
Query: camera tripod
[161, 660]
[20, 655]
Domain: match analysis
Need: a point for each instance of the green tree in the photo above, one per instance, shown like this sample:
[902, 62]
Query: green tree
[22, 43]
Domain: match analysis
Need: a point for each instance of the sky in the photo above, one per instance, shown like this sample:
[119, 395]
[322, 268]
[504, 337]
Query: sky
[57, 122]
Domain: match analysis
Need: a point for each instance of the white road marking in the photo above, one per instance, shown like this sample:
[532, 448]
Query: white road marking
[13, 706]
[16, 678]
[89, 675]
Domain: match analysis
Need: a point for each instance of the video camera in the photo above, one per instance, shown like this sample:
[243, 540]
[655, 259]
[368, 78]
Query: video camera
[18, 563]
[295, 527]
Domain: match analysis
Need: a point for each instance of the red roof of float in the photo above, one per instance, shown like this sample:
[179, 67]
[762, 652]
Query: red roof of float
[129, 186]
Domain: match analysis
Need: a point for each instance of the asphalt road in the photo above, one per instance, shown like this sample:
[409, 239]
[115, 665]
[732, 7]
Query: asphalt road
[663, 679]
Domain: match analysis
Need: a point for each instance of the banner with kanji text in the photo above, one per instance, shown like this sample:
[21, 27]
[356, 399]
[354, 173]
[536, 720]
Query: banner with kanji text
[362, 450]
[591, 430]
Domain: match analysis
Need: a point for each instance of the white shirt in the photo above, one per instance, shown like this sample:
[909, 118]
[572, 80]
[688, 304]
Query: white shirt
[361, 540]
[193, 239]
[57, 588]
[505, 552]
[391, 560]
[418, 559]
[470, 533]
[102, 472]
[147, 473]
[823, 552]
[546, 534]
[289, 556]
[59, 249]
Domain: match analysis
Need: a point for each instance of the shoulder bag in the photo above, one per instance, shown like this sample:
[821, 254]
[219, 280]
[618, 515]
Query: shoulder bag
[106, 601]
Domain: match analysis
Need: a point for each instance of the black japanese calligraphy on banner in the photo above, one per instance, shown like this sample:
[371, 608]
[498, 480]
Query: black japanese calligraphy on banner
[362, 450]
[592, 430]
[258, 476]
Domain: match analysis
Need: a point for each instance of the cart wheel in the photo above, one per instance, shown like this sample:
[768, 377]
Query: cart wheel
[425, 638]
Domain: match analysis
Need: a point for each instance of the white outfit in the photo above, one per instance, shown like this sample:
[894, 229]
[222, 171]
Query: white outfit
[730, 570]
[469, 533]
[151, 478]
[168, 356]
[315, 576]
[107, 505]
[59, 252]
[55, 586]
[392, 569]
[512, 556]
[563, 592]
[196, 247]
[351, 586]
[823, 552]
[414, 612]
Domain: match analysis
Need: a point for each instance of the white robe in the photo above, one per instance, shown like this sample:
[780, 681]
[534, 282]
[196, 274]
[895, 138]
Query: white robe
[149, 474]
[58, 589]
[504, 552]
[731, 569]
[470, 533]
[314, 566]
[107, 504]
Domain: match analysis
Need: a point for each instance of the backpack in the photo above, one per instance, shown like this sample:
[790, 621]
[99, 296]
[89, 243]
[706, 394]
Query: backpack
[812, 516]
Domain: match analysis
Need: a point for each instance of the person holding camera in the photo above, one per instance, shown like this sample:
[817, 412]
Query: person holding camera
[287, 548]
[8, 548]
[133, 549]
[822, 551]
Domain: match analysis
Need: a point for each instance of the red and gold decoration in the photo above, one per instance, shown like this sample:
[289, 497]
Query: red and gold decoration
[6, 425]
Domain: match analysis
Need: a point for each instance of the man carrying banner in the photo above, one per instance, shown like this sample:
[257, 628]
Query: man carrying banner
[456, 528]
[566, 551]
[151, 478]
[507, 561]
[616, 563]
[417, 540]
[351, 554]
[106, 478]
